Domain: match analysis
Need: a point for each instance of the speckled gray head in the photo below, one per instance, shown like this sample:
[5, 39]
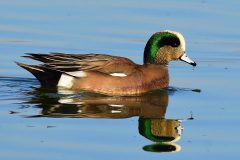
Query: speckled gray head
[165, 46]
[184, 57]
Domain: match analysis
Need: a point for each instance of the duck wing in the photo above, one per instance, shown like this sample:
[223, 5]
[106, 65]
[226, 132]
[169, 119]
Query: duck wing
[77, 62]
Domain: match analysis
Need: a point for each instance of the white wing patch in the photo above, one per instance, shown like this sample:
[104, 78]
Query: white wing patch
[65, 81]
[118, 74]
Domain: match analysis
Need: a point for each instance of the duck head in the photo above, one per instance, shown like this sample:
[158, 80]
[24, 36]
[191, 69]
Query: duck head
[164, 47]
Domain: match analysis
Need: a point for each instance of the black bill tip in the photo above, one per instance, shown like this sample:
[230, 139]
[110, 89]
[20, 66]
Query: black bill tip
[194, 64]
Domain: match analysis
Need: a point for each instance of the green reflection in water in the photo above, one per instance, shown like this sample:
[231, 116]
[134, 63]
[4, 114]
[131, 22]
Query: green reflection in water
[165, 132]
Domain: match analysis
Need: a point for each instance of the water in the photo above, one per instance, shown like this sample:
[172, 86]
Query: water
[40, 123]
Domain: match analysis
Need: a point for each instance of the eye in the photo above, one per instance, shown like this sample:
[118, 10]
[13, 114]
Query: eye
[170, 41]
[174, 42]
[175, 45]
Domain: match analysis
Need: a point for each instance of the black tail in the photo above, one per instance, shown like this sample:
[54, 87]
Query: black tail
[47, 77]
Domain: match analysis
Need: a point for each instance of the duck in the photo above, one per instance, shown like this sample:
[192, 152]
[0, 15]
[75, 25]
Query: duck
[111, 75]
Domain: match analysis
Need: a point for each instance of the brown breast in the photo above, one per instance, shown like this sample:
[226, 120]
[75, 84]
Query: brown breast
[143, 78]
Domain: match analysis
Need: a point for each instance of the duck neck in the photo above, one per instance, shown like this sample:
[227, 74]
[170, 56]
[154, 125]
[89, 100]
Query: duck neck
[160, 56]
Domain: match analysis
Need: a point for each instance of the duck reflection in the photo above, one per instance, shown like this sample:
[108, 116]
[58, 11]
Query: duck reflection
[150, 108]
[165, 132]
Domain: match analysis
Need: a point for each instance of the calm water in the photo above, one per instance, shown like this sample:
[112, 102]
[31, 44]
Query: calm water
[199, 112]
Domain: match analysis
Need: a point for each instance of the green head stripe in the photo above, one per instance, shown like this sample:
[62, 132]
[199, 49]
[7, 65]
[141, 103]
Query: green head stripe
[157, 41]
